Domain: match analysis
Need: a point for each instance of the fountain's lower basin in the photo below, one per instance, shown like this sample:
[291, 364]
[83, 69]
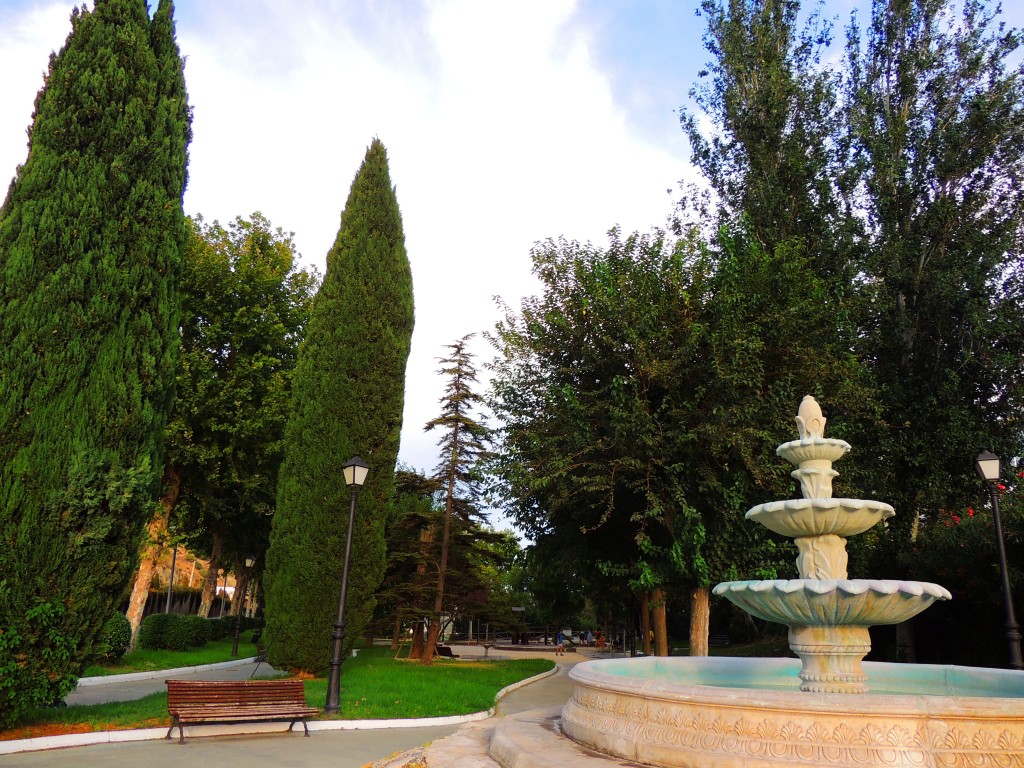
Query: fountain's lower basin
[717, 712]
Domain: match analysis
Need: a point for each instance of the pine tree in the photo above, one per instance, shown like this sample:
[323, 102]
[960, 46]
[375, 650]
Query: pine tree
[348, 393]
[91, 235]
[463, 445]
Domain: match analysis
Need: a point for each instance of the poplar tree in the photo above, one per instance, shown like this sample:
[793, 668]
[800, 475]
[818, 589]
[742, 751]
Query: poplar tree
[348, 395]
[942, 197]
[91, 235]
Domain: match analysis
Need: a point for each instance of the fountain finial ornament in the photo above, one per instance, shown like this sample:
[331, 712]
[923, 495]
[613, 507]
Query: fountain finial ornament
[809, 419]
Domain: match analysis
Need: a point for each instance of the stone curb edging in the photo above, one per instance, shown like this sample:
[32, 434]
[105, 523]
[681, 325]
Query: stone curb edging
[131, 677]
[146, 734]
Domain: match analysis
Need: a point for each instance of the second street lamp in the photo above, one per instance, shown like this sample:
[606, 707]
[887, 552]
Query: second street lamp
[355, 471]
[988, 467]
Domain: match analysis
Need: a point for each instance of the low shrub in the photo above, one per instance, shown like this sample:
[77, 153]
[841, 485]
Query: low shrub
[32, 647]
[116, 636]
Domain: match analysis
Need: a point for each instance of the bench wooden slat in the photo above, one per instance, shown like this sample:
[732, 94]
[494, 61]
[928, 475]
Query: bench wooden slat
[199, 701]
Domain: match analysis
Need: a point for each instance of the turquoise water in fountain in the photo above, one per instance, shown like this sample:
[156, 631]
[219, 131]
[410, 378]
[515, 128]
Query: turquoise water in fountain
[777, 674]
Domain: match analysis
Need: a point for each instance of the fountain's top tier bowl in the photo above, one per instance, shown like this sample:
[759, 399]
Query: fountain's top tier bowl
[813, 449]
[816, 517]
[832, 602]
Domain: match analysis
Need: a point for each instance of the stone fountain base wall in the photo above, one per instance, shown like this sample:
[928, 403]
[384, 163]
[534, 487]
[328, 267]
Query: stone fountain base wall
[649, 719]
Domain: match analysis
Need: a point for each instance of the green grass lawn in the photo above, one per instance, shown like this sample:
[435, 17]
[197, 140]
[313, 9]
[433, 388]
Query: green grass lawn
[373, 686]
[376, 686]
[145, 660]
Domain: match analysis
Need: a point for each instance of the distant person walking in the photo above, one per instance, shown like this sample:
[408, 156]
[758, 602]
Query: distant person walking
[560, 644]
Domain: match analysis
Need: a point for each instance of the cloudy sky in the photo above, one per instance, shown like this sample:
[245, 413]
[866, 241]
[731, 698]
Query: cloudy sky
[505, 124]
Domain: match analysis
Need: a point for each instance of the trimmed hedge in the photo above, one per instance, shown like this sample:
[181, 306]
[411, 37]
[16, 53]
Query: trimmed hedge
[218, 629]
[174, 632]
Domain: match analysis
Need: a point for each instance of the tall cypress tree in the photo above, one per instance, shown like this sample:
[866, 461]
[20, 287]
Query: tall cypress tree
[91, 235]
[348, 394]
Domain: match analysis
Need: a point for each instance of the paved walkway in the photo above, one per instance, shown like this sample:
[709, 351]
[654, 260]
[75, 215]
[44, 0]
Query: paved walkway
[337, 749]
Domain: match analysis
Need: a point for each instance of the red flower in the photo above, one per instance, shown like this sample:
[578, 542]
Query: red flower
[956, 519]
[1000, 486]
[970, 512]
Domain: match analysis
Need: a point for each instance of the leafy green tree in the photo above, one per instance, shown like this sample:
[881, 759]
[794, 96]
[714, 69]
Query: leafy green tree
[348, 394]
[642, 398]
[463, 446]
[591, 391]
[936, 114]
[896, 178]
[771, 339]
[91, 235]
[244, 308]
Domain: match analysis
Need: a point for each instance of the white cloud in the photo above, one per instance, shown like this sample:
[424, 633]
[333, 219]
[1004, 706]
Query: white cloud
[27, 36]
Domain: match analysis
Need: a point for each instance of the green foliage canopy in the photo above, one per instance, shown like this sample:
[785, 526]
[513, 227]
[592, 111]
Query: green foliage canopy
[244, 306]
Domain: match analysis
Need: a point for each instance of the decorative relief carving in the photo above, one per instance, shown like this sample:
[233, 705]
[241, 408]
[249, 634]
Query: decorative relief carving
[781, 741]
[821, 557]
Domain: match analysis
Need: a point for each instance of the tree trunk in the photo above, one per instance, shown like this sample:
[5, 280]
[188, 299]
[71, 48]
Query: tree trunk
[396, 634]
[241, 590]
[435, 620]
[657, 604]
[700, 620]
[905, 648]
[210, 585]
[151, 554]
[645, 620]
[430, 644]
[416, 652]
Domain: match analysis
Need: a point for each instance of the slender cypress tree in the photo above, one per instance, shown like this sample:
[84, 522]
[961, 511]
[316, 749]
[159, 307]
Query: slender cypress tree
[348, 394]
[91, 235]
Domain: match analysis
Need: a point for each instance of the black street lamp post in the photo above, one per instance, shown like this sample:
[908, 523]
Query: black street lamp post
[241, 606]
[355, 475]
[988, 467]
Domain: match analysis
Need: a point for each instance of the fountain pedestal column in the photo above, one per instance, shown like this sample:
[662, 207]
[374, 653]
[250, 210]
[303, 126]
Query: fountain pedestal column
[831, 658]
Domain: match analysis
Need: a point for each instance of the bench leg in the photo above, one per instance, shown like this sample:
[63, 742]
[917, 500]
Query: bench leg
[181, 730]
[304, 726]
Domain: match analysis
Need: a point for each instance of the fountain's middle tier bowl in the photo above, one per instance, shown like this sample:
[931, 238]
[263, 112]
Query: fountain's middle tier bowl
[832, 602]
[816, 517]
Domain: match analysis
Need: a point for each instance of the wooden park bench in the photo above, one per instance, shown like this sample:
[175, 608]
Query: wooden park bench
[445, 652]
[718, 639]
[238, 701]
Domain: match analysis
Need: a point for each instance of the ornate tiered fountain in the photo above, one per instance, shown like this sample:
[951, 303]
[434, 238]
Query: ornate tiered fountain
[827, 708]
[828, 615]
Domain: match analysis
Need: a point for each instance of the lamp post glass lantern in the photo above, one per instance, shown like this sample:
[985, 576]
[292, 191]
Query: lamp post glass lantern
[249, 561]
[354, 472]
[990, 470]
